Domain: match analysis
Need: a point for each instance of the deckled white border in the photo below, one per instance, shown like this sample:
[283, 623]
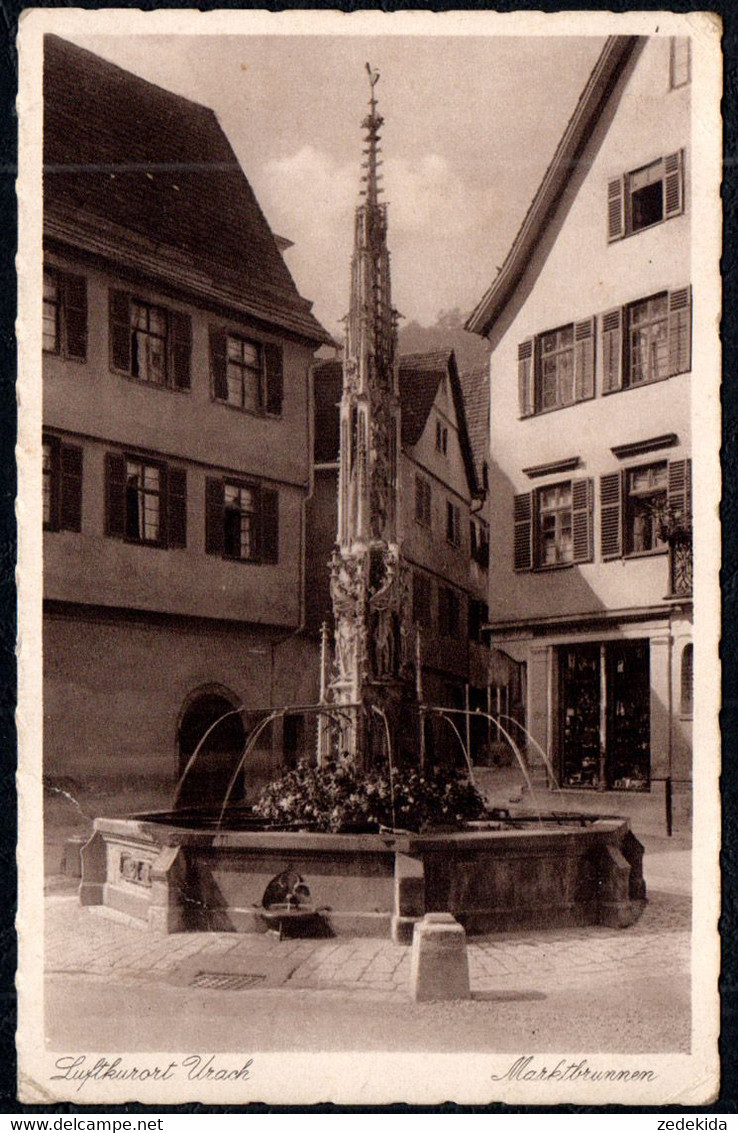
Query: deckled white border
[371, 1077]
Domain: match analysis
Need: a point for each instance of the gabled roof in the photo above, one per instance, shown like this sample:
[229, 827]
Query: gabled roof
[420, 377]
[475, 388]
[598, 90]
[122, 155]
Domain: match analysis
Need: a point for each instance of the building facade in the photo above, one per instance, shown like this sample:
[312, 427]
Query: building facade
[441, 529]
[589, 321]
[176, 441]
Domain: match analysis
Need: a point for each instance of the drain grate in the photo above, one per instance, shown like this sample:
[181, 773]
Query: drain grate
[227, 981]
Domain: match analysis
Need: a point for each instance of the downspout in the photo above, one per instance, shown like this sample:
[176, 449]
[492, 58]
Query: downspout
[309, 485]
[669, 784]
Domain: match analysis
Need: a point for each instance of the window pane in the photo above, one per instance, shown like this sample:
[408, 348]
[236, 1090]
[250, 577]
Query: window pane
[251, 389]
[47, 483]
[644, 508]
[143, 501]
[151, 478]
[148, 343]
[151, 516]
[50, 313]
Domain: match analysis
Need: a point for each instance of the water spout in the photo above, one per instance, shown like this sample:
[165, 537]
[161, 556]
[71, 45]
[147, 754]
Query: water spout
[193, 758]
[443, 713]
[516, 750]
[547, 762]
[383, 714]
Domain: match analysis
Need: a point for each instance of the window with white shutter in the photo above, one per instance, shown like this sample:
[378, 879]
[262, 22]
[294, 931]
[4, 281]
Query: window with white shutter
[636, 503]
[645, 196]
[553, 525]
[646, 341]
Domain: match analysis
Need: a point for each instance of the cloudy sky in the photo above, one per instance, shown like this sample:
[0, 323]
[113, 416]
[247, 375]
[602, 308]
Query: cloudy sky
[471, 124]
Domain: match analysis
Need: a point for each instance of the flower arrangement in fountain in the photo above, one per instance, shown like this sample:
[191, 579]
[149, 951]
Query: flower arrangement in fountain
[339, 797]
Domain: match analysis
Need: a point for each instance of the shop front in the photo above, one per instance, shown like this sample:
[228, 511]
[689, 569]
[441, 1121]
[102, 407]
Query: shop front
[604, 726]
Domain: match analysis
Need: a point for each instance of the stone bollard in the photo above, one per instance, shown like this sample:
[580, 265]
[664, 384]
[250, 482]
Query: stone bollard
[439, 967]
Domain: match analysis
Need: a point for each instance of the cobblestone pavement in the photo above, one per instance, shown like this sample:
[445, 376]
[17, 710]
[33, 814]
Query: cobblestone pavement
[84, 941]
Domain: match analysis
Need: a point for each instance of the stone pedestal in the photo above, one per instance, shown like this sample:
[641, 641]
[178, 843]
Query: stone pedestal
[439, 967]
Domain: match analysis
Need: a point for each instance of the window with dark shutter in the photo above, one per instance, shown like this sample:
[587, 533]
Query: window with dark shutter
[645, 196]
[612, 350]
[119, 309]
[269, 526]
[115, 495]
[274, 378]
[214, 518]
[525, 378]
[75, 315]
[611, 533]
[65, 314]
[180, 346]
[219, 363]
[581, 516]
[70, 487]
[177, 507]
[523, 544]
[50, 474]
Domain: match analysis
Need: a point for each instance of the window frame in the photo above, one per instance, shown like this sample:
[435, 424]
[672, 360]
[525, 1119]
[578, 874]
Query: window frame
[558, 353]
[453, 524]
[630, 328]
[686, 42]
[65, 475]
[256, 371]
[71, 315]
[271, 371]
[619, 210]
[54, 277]
[242, 486]
[176, 340]
[423, 501]
[629, 514]
[149, 335]
[556, 512]
[267, 512]
[527, 542]
[441, 437]
[172, 495]
[530, 368]
[613, 506]
[615, 340]
[147, 464]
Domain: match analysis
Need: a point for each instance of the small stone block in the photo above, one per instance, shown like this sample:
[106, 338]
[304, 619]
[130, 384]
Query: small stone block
[439, 966]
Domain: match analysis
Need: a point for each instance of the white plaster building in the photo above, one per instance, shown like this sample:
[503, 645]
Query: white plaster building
[589, 322]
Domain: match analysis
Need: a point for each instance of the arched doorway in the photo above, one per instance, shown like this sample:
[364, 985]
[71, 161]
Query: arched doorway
[207, 780]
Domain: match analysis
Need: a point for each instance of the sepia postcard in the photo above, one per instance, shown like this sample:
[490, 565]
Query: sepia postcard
[369, 608]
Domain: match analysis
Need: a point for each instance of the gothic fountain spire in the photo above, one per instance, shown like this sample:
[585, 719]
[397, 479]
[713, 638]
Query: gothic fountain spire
[371, 668]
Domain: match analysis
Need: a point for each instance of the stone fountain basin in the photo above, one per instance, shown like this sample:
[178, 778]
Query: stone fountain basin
[177, 879]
